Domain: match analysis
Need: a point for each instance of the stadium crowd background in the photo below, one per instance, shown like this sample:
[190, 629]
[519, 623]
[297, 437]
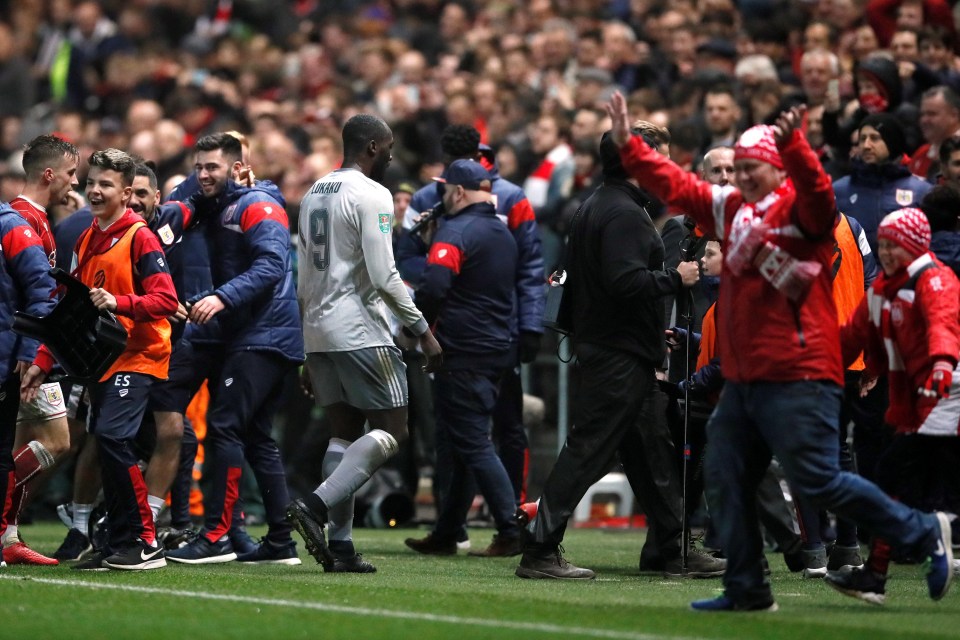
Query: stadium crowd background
[151, 76]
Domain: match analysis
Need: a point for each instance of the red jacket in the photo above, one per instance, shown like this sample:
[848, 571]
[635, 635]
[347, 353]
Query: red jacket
[905, 323]
[766, 337]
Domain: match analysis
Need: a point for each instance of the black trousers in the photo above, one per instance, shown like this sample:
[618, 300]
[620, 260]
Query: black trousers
[918, 469]
[616, 404]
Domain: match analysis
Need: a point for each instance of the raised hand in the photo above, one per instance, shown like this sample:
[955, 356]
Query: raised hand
[617, 110]
[787, 122]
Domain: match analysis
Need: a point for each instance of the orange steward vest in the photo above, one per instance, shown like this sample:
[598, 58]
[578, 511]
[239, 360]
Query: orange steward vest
[148, 343]
[708, 338]
[848, 283]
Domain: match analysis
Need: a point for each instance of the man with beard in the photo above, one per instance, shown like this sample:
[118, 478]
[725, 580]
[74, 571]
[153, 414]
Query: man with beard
[347, 281]
[254, 310]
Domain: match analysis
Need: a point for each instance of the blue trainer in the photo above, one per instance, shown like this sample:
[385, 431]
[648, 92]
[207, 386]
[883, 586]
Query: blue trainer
[202, 551]
[242, 543]
[723, 603]
[939, 563]
[267, 552]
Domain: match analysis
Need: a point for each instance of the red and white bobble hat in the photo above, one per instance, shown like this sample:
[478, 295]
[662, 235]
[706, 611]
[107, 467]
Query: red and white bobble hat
[908, 228]
[758, 143]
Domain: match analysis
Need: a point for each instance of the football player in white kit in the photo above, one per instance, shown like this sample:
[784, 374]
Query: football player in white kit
[347, 282]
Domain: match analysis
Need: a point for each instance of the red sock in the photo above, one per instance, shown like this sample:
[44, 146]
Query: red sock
[27, 464]
[5, 502]
[12, 515]
[879, 560]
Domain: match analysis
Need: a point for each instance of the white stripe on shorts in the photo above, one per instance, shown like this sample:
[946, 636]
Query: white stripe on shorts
[390, 374]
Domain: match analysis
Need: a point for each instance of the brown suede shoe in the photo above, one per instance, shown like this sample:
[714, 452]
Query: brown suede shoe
[540, 566]
[432, 545]
[500, 547]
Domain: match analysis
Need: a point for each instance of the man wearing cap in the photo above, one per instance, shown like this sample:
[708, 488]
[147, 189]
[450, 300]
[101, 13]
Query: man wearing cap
[780, 349]
[880, 182]
[907, 324]
[467, 291]
[513, 209]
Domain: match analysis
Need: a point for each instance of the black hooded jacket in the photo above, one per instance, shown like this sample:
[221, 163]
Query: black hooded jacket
[885, 75]
[616, 273]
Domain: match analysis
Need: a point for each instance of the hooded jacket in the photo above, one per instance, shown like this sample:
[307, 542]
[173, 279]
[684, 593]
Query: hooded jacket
[886, 76]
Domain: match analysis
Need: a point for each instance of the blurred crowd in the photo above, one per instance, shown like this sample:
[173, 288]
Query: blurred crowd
[149, 76]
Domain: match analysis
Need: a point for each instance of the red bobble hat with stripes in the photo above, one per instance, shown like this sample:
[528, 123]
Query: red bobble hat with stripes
[908, 228]
[758, 143]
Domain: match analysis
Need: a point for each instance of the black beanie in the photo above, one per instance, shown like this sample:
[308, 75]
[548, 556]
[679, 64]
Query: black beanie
[610, 163]
[890, 130]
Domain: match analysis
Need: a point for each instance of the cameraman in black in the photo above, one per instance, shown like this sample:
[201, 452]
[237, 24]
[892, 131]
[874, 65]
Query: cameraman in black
[617, 282]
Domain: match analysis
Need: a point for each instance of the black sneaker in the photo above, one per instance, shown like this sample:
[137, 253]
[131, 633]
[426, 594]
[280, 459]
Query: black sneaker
[202, 551]
[861, 584]
[699, 565]
[844, 558]
[173, 538]
[267, 552]
[93, 562]
[310, 527]
[74, 547]
[793, 556]
[815, 562]
[353, 564]
[137, 557]
[723, 603]
[537, 565]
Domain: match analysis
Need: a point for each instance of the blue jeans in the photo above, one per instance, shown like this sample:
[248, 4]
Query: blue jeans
[464, 401]
[798, 422]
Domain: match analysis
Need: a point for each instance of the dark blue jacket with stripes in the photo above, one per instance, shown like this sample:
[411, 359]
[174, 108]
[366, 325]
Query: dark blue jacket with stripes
[467, 292]
[515, 210]
[25, 285]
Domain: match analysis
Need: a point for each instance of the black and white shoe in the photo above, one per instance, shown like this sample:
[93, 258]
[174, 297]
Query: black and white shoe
[137, 557]
[860, 583]
[75, 546]
[93, 562]
[173, 538]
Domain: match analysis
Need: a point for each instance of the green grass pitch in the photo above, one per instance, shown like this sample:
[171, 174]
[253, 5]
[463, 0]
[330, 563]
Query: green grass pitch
[422, 597]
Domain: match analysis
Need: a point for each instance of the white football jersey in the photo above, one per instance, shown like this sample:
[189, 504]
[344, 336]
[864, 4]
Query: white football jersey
[347, 276]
